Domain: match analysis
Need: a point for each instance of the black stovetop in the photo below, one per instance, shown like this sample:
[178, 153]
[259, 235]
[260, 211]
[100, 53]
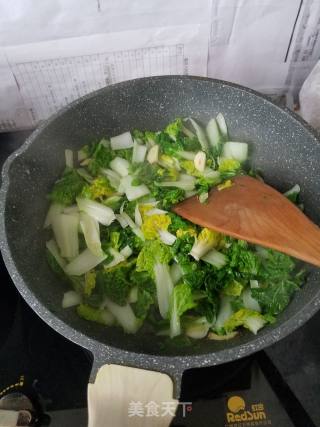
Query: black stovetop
[279, 387]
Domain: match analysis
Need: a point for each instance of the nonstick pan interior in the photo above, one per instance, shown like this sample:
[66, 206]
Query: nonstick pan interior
[283, 147]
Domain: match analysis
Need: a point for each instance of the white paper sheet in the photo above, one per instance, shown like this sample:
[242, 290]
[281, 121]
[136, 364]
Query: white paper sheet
[13, 114]
[52, 74]
[305, 46]
[249, 42]
[267, 45]
[62, 49]
[27, 21]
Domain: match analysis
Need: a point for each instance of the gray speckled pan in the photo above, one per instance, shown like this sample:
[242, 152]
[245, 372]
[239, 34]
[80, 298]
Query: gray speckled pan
[285, 148]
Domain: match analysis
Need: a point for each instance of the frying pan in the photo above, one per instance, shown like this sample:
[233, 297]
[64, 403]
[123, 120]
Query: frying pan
[284, 147]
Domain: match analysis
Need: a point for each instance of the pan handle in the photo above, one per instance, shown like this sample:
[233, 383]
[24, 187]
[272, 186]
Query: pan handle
[123, 396]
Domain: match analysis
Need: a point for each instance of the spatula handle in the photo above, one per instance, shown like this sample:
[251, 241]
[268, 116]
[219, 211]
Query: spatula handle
[130, 397]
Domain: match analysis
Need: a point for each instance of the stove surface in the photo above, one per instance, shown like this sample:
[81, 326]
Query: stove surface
[279, 387]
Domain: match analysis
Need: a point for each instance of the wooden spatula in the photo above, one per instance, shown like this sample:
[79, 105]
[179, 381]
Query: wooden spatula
[253, 211]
